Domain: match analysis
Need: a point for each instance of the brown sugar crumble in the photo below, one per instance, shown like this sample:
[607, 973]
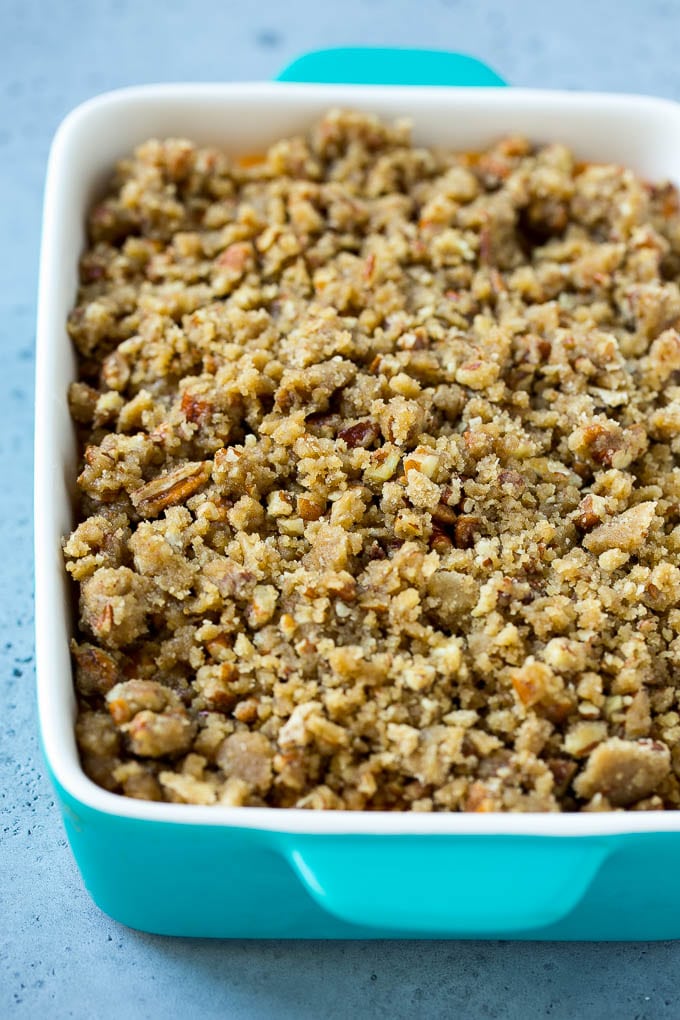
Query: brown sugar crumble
[379, 494]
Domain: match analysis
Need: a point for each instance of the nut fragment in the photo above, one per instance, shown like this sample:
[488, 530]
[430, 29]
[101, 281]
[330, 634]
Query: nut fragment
[279, 504]
[443, 516]
[194, 409]
[384, 463]
[422, 459]
[537, 686]
[364, 433]
[467, 527]
[582, 737]
[440, 541]
[310, 507]
[170, 489]
[590, 512]
[262, 605]
[563, 772]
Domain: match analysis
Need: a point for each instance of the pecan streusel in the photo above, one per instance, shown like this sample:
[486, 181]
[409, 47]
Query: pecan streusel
[380, 495]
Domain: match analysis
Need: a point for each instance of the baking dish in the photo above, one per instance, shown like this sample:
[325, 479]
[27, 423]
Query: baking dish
[266, 872]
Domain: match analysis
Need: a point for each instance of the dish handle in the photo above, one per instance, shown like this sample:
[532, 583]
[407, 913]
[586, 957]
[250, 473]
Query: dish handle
[438, 885]
[364, 65]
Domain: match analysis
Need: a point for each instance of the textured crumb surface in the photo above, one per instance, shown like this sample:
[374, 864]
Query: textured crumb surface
[379, 497]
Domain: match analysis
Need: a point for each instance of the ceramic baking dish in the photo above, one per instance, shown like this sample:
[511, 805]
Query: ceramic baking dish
[266, 872]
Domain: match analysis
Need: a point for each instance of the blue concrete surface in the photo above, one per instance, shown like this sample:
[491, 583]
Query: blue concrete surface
[59, 957]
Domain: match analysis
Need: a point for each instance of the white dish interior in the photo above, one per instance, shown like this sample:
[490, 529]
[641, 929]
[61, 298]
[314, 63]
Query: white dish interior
[642, 133]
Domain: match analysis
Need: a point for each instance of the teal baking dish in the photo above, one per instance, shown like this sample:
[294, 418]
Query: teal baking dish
[268, 873]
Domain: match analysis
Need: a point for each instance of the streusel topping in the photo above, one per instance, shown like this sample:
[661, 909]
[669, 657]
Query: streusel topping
[380, 498]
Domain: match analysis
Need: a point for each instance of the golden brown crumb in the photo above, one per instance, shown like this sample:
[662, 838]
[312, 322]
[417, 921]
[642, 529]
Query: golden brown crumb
[379, 492]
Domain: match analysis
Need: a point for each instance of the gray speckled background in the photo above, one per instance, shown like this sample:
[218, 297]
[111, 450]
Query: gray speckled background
[59, 957]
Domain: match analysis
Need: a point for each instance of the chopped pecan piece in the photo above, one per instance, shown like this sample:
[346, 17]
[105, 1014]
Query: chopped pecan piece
[443, 516]
[364, 433]
[194, 409]
[440, 541]
[170, 489]
[467, 527]
[310, 507]
[590, 512]
[602, 443]
[215, 683]
[563, 772]
[608, 445]
[538, 687]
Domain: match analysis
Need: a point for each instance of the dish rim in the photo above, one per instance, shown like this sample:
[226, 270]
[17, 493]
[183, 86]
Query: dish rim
[75, 789]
